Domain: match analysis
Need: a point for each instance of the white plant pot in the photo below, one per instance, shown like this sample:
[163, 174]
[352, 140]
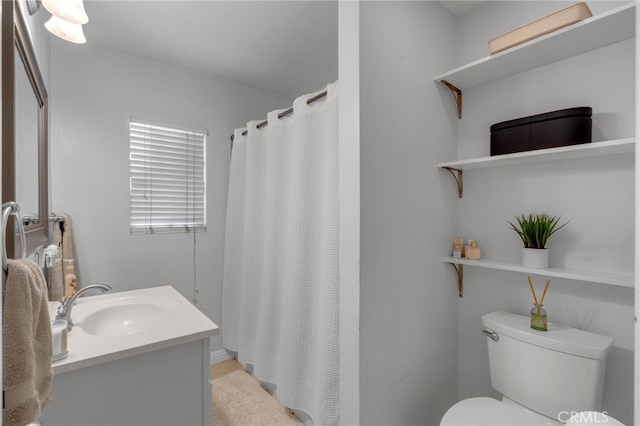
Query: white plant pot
[535, 258]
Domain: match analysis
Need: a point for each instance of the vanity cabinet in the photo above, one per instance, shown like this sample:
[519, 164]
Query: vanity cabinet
[139, 357]
[167, 387]
[601, 30]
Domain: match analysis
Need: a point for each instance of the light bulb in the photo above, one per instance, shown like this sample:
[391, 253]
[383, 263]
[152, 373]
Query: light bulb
[66, 30]
[68, 10]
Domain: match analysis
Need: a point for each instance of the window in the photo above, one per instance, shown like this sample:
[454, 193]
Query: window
[167, 183]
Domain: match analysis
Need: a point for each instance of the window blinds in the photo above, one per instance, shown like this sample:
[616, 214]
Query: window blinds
[167, 178]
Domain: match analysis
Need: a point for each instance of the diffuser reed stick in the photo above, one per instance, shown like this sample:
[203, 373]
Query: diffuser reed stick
[546, 287]
[535, 298]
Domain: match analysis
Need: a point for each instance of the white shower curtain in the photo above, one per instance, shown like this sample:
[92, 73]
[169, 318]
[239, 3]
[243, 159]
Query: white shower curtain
[281, 270]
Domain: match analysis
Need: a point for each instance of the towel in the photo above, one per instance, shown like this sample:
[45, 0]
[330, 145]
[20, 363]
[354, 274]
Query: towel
[26, 341]
[62, 237]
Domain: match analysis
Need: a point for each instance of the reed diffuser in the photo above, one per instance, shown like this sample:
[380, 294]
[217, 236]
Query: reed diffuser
[538, 314]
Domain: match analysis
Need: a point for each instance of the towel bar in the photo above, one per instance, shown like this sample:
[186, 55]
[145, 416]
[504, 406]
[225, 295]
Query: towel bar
[12, 208]
[55, 218]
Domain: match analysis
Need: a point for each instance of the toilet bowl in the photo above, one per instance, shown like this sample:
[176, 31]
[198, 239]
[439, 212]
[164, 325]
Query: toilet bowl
[538, 396]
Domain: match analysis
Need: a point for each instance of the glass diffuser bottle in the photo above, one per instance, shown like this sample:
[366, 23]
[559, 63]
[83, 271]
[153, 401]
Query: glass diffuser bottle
[538, 318]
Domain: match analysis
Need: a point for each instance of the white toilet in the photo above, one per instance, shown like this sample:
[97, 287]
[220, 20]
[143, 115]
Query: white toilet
[546, 378]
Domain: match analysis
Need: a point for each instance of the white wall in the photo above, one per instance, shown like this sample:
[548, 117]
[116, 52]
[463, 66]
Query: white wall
[93, 93]
[349, 154]
[637, 245]
[408, 321]
[595, 195]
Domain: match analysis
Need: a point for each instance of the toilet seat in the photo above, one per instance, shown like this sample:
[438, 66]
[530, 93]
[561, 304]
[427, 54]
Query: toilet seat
[483, 411]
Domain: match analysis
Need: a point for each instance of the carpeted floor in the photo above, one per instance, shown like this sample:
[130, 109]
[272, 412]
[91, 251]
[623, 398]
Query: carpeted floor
[239, 400]
[223, 368]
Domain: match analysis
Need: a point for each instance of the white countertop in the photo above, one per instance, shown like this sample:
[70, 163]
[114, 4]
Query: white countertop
[184, 323]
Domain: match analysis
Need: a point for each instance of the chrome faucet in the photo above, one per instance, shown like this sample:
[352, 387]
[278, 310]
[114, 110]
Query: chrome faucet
[64, 310]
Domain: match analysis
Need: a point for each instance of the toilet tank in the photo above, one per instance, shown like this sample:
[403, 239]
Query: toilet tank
[551, 372]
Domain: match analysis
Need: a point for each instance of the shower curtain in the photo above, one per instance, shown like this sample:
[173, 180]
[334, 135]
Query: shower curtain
[281, 270]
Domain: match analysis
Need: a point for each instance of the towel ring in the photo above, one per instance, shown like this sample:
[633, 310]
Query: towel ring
[12, 208]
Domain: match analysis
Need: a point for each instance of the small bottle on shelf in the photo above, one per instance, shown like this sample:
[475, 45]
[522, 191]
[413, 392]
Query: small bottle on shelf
[472, 251]
[457, 248]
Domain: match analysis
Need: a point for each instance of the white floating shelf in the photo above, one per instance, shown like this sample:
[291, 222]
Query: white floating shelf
[622, 280]
[600, 30]
[587, 150]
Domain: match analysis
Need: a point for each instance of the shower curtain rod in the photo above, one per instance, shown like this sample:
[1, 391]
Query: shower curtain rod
[287, 112]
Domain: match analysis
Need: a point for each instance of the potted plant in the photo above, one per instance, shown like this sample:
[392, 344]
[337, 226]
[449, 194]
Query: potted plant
[534, 231]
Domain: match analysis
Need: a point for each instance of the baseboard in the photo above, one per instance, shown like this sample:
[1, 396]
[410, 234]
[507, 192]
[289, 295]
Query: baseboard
[219, 356]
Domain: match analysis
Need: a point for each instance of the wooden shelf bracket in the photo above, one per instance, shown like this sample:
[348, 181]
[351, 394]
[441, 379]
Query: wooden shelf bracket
[457, 175]
[457, 96]
[460, 272]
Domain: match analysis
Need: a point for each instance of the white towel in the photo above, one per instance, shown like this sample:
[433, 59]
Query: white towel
[26, 341]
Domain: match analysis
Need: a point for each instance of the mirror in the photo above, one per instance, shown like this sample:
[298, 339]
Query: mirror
[26, 145]
[24, 131]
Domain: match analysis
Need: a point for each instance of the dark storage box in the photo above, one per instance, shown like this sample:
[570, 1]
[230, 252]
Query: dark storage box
[570, 126]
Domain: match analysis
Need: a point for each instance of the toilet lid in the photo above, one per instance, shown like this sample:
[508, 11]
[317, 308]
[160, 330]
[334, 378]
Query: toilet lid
[488, 411]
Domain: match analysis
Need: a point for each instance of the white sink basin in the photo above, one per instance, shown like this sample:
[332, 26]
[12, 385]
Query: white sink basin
[123, 316]
[112, 326]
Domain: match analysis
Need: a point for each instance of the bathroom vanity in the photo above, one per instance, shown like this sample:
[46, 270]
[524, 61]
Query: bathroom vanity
[135, 358]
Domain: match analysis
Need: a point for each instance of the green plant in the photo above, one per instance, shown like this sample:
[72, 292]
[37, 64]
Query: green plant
[536, 228]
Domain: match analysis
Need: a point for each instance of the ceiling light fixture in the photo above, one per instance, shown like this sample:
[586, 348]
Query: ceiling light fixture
[66, 30]
[67, 19]
[68, 10]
